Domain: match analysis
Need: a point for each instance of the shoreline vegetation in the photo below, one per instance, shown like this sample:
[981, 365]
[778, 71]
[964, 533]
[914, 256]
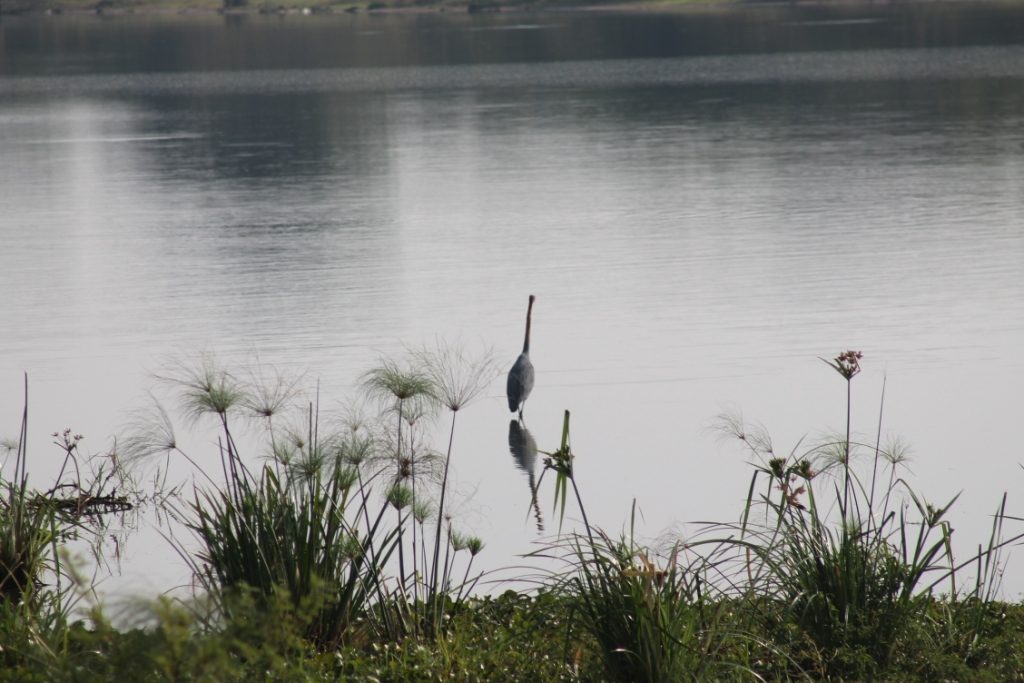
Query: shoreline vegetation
[322, 549]
[313, 8]
[334, 7]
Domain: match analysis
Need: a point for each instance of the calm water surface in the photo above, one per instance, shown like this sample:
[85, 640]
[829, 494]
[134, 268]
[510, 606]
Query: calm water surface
[703, 203]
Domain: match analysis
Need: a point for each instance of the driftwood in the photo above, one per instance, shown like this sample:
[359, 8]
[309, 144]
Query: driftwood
[85, 505]
[82, 503]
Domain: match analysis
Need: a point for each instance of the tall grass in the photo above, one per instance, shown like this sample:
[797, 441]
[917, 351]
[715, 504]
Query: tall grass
[270, 535]
[34, 524]
[292, 529]
[837, 561]
[39, 582]
[337, 517]
[339, 551]
[28, 531]
[651, 616]
[447, 377]
[850, 553]
[652, 620]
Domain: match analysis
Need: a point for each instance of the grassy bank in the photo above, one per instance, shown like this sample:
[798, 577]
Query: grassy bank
[324, 548]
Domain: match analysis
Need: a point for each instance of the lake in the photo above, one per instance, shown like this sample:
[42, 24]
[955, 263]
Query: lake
[704, 202]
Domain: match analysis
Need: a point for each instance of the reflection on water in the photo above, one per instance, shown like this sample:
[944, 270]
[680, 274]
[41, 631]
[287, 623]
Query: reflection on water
[153, 44]
[706, 203]
[523, 448]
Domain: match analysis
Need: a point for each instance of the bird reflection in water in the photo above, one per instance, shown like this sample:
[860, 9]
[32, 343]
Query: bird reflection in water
[523, 448]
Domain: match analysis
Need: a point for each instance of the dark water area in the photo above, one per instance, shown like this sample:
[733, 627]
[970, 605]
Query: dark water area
[155, 44]
[704, 202]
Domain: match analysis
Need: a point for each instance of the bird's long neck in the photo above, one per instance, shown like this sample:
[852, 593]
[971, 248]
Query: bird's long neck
[526, 341]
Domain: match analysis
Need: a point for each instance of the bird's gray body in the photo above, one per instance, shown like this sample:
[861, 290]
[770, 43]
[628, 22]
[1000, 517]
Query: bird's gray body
[520, 382]
[520, 377]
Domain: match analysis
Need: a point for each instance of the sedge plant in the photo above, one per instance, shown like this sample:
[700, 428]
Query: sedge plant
[40, 584]
[851, 558]
[313, 523]
[650, 617]
[293, 527]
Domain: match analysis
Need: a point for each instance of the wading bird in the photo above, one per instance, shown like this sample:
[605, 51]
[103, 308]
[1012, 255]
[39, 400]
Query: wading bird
[520, 377]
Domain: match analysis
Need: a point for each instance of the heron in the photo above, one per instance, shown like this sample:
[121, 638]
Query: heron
[520, 377]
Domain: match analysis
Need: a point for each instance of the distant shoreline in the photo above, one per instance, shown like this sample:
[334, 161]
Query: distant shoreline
[334, 7]
[315, 7]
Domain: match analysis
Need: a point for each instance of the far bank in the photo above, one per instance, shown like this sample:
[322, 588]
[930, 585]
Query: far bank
[315, 7]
